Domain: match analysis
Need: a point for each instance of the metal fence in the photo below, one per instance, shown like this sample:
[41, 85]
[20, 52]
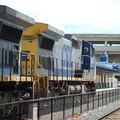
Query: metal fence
[57, 108]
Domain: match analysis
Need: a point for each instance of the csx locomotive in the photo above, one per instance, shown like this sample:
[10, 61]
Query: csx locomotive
[63, 63]
[38, 60]
[51, 63]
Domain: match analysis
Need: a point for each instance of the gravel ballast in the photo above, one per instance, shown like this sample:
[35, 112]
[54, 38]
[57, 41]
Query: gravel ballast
[99, 112]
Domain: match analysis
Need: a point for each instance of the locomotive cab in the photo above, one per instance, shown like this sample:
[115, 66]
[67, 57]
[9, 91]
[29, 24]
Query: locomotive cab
[12, 87]
[12, 24]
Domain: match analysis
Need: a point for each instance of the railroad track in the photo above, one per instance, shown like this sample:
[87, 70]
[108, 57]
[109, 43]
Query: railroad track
[115, 115]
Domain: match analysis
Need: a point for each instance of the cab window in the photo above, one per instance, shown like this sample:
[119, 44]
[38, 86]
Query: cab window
[85, 50]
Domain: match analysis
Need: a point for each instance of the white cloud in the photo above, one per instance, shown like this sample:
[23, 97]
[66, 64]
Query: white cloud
[99, 15]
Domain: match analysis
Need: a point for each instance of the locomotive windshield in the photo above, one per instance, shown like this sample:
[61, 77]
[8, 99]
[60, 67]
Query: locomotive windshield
[86, 50]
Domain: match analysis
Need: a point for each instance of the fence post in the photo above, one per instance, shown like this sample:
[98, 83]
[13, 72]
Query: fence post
[93, 101]
[102, 98]
[106, 96]
[81, 103]
[2, 64]
[98, 99]
[118, 94]
[88, 102]
[63, 107]
[112, 95]
[20, 111]
[38, 110]
[51, 109]
[73, 107]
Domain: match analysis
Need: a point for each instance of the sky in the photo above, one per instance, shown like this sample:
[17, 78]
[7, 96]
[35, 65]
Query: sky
[73, 16]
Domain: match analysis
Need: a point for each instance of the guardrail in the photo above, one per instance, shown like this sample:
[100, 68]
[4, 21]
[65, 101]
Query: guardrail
[59, 107]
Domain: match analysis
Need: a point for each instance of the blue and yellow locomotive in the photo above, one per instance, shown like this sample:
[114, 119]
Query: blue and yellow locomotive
[51, 63]
[64, 64]
[39, 60]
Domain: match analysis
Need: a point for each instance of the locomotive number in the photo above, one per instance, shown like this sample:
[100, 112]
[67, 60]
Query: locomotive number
[28, 37]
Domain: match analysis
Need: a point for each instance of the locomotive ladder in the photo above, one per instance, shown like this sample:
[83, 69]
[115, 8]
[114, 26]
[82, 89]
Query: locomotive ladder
[41, 67]
[40, 80]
